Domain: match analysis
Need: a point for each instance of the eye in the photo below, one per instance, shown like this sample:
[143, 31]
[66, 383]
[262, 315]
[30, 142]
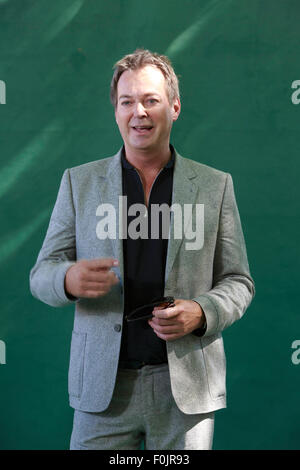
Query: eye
[125, 103]
[151, 101]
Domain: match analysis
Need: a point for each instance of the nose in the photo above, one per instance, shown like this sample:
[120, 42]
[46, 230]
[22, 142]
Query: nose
[139, 110]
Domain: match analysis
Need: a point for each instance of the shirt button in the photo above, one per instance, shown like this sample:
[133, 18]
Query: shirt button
[117, 327]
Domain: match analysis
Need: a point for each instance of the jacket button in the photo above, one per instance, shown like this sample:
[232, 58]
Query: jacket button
[117, 327]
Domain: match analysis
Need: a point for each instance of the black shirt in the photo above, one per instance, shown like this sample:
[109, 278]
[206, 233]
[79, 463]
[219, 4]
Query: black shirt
[144, 266]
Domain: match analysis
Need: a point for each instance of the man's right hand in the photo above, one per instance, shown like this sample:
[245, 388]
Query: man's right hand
[91, 278]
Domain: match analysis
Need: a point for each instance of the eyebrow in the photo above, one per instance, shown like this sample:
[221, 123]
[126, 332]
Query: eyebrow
[145, 95]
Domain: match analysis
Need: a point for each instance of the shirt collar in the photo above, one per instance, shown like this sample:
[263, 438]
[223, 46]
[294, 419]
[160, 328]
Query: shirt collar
[126, 164]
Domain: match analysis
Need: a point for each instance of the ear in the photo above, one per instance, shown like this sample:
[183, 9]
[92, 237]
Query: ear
[176, 107]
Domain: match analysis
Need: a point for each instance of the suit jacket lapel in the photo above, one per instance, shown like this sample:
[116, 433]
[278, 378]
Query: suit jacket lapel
[111, 190]
[184, 192]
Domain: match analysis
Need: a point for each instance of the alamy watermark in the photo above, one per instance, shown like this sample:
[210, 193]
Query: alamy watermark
[159, 223]
[295, 95]
[2, 92]
[295, 358]
[2, 352]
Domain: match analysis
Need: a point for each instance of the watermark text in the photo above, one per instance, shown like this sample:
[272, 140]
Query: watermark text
[136, 222]
[296, 354]
[2, 352]
[296, 94]
[2, 92]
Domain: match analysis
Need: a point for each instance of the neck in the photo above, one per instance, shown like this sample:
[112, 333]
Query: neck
[147, 160]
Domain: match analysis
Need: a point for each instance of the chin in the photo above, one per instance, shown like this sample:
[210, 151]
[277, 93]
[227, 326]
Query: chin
[140, 145]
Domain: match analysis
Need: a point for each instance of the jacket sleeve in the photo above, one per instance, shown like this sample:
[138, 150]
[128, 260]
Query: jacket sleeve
[58, 252]
[233, 287]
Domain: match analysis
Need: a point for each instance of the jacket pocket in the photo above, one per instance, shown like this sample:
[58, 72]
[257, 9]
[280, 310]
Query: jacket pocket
[215, 364]
[75, 376]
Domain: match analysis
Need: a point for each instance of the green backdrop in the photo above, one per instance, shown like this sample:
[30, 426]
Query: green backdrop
[237, 60]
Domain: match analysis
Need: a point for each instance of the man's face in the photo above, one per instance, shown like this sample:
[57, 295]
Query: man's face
[143, 112]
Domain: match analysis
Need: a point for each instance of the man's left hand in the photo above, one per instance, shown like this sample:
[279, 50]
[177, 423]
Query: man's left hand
[174, 322]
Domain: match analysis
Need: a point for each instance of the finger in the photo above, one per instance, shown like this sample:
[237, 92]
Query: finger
[104, 280]
[169, 312]
[95, 286]
[101, 276]
[162, 307]
[164, 321]
[163, 325]
[166, 329]
[94, 276]
[102, 263]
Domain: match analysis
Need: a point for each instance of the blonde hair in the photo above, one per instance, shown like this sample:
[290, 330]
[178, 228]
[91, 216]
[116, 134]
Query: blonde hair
[138, 59]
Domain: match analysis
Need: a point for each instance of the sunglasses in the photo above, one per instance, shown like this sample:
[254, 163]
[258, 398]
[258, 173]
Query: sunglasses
[145, 311]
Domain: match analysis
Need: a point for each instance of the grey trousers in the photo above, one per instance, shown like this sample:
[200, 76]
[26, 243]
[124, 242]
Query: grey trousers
[142, 409]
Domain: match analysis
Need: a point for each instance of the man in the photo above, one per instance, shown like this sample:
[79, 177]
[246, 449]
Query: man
[160, 379]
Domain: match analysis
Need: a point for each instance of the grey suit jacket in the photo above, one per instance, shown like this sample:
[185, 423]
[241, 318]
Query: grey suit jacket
[216, 276]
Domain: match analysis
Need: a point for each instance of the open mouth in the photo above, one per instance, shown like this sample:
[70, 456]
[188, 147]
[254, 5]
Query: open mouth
[142, 129]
